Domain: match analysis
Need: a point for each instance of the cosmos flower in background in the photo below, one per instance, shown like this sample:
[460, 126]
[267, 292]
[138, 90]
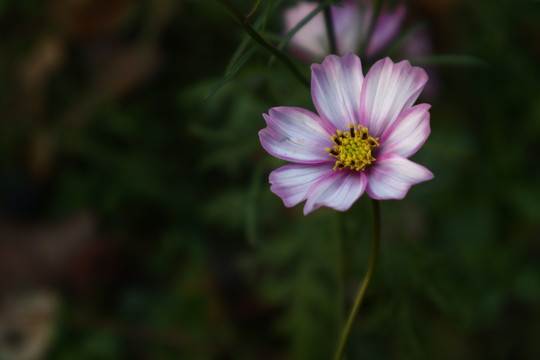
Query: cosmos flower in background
[351, 23]
[360, 141]
[311, 41]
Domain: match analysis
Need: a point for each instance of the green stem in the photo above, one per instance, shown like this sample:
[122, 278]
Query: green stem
[330, 29]
[262, 42]
[253, 10]
[365, 283]
[340, 271]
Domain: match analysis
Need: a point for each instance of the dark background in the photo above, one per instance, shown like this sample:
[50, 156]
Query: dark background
[142, 213]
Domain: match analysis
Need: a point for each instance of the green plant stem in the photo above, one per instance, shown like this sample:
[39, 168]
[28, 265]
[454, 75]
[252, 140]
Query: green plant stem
[253, 10]
[365, 282]
[265, 44]
[330, 29]
[340, 271]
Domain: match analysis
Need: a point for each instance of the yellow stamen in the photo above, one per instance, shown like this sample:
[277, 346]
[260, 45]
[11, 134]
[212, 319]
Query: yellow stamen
[353, 148]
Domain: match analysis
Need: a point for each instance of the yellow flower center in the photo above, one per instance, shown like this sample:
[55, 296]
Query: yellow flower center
[353, 148]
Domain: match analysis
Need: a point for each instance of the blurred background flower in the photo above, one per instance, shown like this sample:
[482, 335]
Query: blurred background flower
[390, 34]
[352, 20]
[136, 220]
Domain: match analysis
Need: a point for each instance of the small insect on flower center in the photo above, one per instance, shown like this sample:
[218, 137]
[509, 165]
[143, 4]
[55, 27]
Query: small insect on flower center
[353, 148]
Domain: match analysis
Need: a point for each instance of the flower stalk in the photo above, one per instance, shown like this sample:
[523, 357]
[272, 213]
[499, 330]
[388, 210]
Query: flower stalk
[365, 282]
[329, 22]
[242, 20]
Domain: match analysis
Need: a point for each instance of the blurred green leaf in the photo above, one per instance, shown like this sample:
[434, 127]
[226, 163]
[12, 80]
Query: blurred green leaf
[233, 71]
[259, 24]
[449, 60]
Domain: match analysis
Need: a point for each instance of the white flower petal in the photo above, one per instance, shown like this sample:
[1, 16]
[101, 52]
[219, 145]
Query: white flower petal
[388, 90]
[337, 190]
[292, 182]
[408, 133]
[296, 135]
[336, 85]
[391, 176]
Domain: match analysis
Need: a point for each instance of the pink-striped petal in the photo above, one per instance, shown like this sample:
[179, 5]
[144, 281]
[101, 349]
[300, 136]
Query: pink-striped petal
[391, 177]
[388, 90]
[295, 134]
[292, 182]
[336, 85]
[337, 190]
[408, 133]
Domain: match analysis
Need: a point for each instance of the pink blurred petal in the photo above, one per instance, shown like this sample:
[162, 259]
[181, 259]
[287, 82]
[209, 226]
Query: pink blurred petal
[389, 89]
[311, 39]
[295, 134]
[392, 175]
[292, 182]
[386, 28]
[347, 26]
[337, 190]
[336, 85]
[408, 133]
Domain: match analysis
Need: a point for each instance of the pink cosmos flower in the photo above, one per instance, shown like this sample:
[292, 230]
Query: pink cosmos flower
[351, 23]
[360, 141]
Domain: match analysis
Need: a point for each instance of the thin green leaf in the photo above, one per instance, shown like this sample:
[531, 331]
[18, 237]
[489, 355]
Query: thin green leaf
[257, 37]
[233, 71]
[259, 24]
[237, 54]
[266, 15]
[253, 9]
[302, 22]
